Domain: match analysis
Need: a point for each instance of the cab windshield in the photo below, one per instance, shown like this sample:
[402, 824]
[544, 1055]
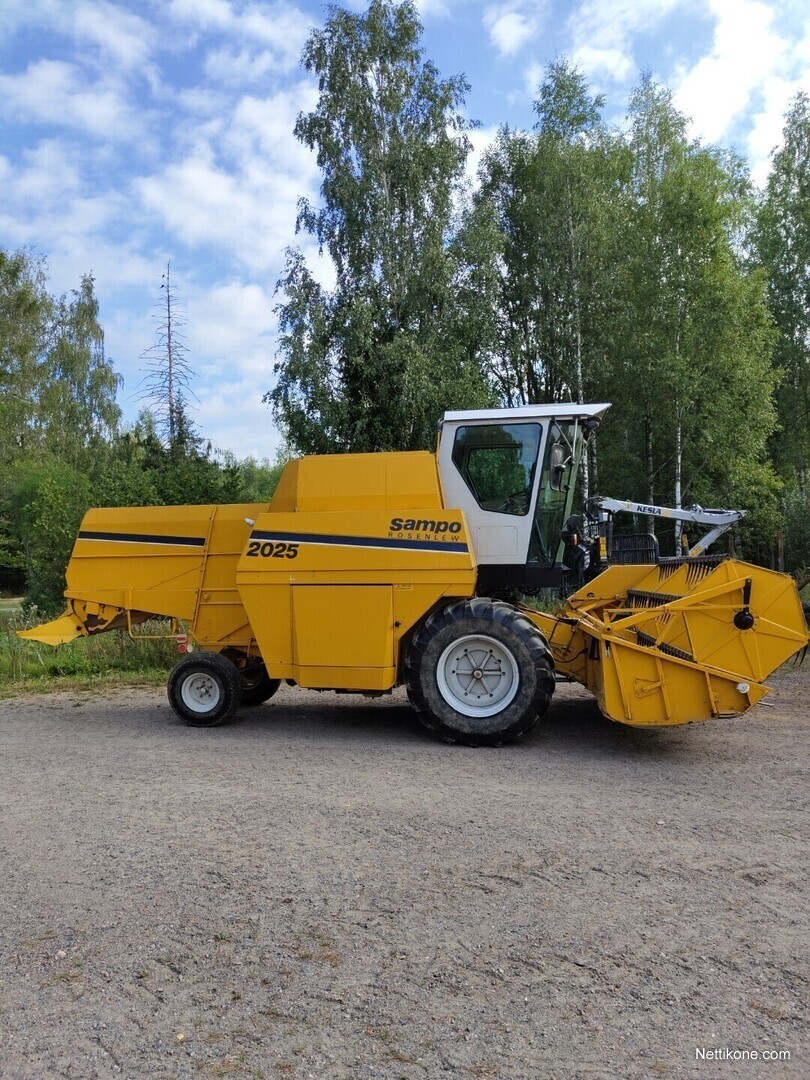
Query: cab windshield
[555, 494]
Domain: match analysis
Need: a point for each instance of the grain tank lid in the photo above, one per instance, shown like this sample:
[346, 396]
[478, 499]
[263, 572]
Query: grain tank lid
[338, 482]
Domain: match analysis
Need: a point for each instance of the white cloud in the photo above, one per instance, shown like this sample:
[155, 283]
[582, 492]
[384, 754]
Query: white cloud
[238, 189]
[232, 327]
[59, 93]
[17, 13]
[231, 334]
[252, 40]
[122, 37]
[615, 63]
[206, 14]
[46, 198]
[481, 139]
[744, 85]
[513, 25]
[437, 8]
[602, 32]
[769, 121]
[280, 25]
[745, 50]
[265, 126]
[232, 416]
[237, 67]
[532, 78]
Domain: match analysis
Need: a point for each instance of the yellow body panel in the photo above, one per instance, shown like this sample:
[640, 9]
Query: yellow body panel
[341, 482]
[172, 561]
[331, 596]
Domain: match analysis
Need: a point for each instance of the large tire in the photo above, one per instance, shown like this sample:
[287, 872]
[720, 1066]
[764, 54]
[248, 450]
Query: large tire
[478, 672]
[257, 686]
[205, 689]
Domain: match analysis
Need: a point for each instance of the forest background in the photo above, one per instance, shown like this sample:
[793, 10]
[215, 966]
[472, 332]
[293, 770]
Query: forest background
[634, 265]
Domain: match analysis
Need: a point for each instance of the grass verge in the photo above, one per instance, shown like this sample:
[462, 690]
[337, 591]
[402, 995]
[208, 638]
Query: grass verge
[112, 659]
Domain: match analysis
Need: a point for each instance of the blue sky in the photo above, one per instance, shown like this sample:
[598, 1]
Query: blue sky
[138, 132]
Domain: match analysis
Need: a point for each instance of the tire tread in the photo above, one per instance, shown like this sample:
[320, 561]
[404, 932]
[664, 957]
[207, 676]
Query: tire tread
[418, 680]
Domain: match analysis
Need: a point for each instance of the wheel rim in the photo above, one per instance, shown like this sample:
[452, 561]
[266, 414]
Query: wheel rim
[201, 693]
[478, 675]
[251, 678]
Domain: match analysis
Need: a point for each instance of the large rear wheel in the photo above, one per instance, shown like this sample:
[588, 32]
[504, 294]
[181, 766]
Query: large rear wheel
[479, 672]
[204, 689]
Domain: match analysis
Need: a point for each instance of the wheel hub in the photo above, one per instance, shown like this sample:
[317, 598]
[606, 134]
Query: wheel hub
[201, 692]
[478, 675]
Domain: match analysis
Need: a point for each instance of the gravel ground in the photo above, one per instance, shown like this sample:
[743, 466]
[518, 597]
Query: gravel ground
[321, 890]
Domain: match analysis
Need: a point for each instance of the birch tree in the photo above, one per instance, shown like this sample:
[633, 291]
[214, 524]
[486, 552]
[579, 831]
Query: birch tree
[370, 364]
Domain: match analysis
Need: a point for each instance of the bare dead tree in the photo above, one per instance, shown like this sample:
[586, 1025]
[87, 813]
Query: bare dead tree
[166, 384]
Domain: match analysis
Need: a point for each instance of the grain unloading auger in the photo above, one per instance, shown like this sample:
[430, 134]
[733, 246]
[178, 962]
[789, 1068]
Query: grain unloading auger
[367, 571]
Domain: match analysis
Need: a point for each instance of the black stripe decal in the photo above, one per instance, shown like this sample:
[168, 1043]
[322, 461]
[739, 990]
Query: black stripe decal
[144, 538]
[450, 546]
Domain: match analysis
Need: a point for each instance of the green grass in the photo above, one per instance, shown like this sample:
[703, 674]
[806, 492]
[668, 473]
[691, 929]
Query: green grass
[104, 660]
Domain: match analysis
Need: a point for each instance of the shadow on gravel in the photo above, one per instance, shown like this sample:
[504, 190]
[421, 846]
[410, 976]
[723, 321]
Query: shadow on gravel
[573, 727]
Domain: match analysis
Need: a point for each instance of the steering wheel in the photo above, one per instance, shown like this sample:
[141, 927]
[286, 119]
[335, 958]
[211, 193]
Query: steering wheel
[517, 502]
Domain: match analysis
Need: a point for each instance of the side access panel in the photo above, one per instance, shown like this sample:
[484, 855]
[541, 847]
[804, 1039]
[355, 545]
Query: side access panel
[342, 628]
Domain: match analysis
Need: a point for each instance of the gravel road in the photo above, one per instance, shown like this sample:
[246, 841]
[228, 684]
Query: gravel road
[321, 890]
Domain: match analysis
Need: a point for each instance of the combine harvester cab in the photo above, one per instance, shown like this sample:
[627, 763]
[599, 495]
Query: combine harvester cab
[368, 571]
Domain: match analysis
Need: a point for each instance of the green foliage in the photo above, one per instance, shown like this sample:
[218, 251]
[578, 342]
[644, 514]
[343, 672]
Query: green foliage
[689, 364]
[615, 274]
[369, 365]
[80, 385]
[781, 242]
[796, 523]
[552, 199]
[633, 267]
[84, 660]
[57, 388]
[46, 499]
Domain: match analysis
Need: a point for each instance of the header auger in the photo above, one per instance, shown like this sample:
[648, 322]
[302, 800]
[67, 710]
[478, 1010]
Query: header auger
[369, 571]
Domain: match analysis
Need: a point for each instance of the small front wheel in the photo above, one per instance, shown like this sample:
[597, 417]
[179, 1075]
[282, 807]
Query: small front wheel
[204, 689]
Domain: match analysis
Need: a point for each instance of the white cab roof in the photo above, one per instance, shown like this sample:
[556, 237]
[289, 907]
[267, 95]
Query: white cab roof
[561, 410]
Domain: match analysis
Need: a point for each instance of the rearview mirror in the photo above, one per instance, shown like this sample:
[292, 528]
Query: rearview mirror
[556, 467]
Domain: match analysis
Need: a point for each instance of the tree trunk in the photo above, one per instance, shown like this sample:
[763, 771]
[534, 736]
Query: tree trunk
[678, 465]
[580, 390]
[169, 356]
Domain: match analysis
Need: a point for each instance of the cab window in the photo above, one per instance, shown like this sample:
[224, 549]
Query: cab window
[497, 462]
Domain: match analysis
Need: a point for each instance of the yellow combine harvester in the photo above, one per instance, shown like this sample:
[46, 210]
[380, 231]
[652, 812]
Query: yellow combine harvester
[367, 571]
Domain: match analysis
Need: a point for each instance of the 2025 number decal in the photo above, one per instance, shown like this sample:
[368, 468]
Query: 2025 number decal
[271, 550]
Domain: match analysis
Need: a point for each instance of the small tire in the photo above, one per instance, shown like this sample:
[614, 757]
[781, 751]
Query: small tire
[480, 673]
[205, 689]
[257, 686]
